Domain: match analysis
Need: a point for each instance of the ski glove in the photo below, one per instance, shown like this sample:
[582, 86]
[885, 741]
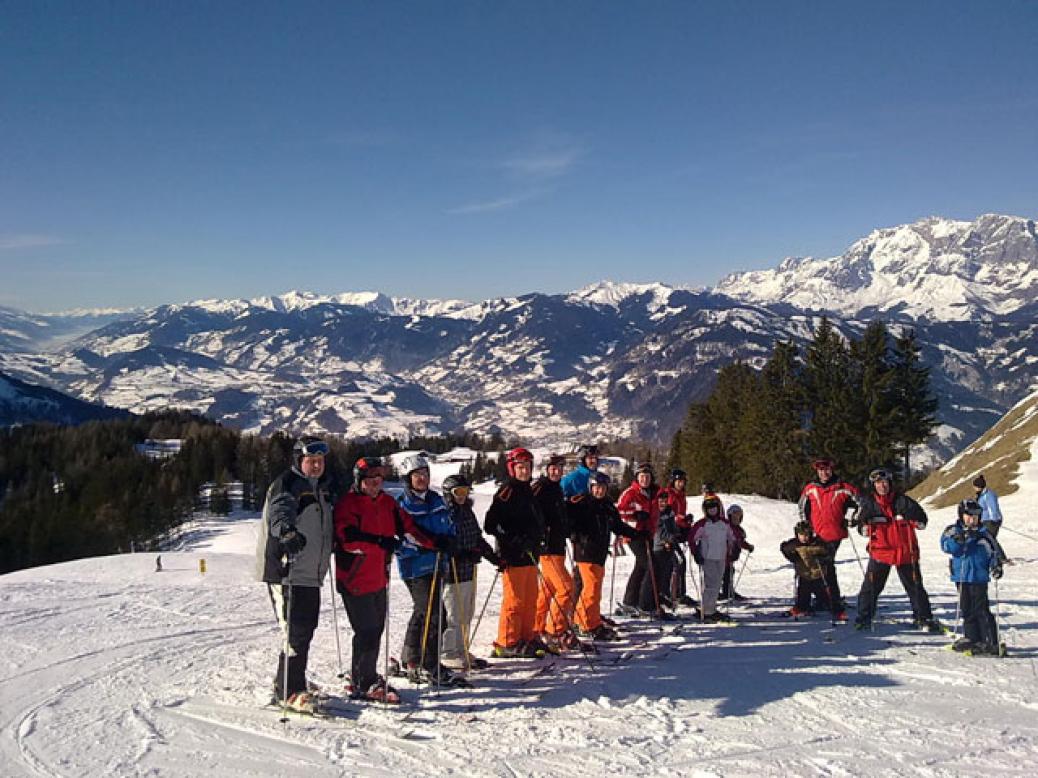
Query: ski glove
[698, 556]
[388, 543]
[996, 572]
[445, 544]
[292, 542]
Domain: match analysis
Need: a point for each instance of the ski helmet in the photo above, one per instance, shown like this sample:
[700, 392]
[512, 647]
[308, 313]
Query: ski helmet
[711, 502]
[367, 467]
[677, 474]
[708, 487]
[804, 528]
[555, 459]
[600, 478]
[881, 474]
[454, 481]
[515, 456]
[586, 450]
[645, 467]
[971, 507]
[733, 511]
[822, 463]
[413, 462]
[308, 446]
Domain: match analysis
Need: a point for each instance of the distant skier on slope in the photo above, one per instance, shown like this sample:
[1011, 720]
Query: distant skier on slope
[890, 519]
[825, 503]
[991, 517]
[293, 556]
[976, 558]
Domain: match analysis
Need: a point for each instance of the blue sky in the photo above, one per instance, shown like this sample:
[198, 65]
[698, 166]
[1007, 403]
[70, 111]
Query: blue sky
[155, 151]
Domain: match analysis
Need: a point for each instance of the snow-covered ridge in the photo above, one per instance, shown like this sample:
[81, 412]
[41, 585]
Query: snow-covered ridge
[293, 301]
[936, 268]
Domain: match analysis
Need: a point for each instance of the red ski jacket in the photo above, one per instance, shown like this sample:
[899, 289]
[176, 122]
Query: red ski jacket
[890, 521]
[638, 508]
[361, 522]
[826, 505]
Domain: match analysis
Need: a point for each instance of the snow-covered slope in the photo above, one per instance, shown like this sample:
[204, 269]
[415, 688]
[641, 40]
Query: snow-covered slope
[936, 269]
[109, 668]
[22, 403]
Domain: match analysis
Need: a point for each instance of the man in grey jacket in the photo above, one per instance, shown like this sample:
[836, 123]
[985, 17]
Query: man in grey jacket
[292, 558]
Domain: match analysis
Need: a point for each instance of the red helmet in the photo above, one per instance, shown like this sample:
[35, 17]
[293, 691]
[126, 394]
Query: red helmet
[517, 455]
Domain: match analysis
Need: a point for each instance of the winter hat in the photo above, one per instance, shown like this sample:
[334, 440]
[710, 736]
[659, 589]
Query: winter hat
[804, 528]
[979, 483]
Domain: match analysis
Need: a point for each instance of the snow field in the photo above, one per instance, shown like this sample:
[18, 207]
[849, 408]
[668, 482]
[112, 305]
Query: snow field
[109, 668]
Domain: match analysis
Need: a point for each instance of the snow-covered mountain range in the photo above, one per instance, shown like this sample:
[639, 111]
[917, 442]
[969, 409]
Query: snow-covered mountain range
[612, 359]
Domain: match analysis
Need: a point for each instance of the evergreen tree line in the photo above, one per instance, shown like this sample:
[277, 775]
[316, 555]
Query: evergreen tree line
[863, 402]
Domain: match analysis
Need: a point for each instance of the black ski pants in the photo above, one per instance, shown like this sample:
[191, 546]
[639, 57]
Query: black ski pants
[422, 591]
[978, 625]
[296, 609]
[812, 587]
[678, 573]
[663, 559]
[367, 615]
[992, 527]
[876, 578]
[640, 592]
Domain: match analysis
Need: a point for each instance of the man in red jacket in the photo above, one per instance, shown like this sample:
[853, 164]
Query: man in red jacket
[824, 503]
[890, 520]
[369, 526]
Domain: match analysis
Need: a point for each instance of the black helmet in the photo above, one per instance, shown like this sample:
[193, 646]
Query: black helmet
[678, 473]
[645, 467]
[972, 507]
[308, 446]
[455, 481]
[881, 474]
[804, 528]
[585, 450]
[599, 478]
[367, 467]
[711, 502]
[555, 459]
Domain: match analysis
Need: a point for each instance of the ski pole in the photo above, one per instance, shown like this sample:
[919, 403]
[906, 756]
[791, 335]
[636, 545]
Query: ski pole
[958, 612]
[428, 619]
[612, 582]
[1017, 532]
[998, 618]
[828, 592]
[483, 610]
[385, 660]
[551, 595]
[286, 588]
[702, 600]
[459, 607]
[745, 559]
[335, 620]
[439, 634]
[854, 546]
[652, 575]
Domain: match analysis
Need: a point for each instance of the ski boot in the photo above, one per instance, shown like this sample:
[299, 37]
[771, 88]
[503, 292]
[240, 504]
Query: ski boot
[962, 645]
[687, 601]
[379, 691]
[604, 633]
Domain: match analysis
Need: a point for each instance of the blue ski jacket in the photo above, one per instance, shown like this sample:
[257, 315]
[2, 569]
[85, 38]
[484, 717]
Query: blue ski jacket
[575, 482]
[974, 553]
[988, 501]
[430, 513]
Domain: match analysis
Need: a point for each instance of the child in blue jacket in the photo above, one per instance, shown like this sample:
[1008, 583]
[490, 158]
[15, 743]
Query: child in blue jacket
[976, 557]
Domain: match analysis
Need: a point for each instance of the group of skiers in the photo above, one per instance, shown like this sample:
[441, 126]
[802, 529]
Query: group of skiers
[546, 609]
[890, 519]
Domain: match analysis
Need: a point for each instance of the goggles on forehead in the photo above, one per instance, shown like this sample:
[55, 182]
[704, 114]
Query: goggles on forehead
[317, 448]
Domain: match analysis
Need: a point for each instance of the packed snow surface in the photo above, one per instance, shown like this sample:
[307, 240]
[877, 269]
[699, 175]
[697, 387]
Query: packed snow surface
[111, 668]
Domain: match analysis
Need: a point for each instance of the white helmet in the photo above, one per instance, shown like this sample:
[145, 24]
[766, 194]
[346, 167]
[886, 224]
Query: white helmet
[734, 510]
[413, 462]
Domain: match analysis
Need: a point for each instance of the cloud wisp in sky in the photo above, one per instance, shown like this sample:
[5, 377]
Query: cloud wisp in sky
[498, 204]
[20, 241]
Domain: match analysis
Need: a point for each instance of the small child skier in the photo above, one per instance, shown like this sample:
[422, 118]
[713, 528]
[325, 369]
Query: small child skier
[663, 545]
[976, 557]
[741, 544]
[711, 540]
[809, 555]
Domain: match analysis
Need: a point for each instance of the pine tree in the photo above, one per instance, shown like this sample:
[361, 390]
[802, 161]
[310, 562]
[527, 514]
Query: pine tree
[873, 410]
[914, 402]
[830, 391]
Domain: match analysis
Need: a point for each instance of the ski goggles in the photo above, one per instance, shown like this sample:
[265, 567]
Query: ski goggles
[461, 491]
[316, 448]
[880, 474]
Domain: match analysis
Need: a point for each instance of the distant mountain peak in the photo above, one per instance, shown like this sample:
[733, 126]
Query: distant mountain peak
[935, 268]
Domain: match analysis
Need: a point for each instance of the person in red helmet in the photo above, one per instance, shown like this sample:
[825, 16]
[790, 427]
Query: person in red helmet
[515, 521]
[824, 503]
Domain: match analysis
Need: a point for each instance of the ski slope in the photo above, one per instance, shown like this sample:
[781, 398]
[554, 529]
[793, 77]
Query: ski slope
[110, 668]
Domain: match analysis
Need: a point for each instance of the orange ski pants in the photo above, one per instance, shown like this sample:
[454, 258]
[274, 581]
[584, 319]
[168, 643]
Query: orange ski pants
[518, 606]
[589, 614]
[556, 592]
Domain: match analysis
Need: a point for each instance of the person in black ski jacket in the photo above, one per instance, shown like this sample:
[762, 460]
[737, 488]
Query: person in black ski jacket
[593, 521]
[555, 597]
[460, 591]
[293, 556]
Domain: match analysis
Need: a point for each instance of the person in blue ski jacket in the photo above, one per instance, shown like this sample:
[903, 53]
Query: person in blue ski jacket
[991, 517]
[419, 572]
[976, 558]
[576, 481]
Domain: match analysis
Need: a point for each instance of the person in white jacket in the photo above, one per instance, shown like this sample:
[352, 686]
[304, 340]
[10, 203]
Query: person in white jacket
[711, 538]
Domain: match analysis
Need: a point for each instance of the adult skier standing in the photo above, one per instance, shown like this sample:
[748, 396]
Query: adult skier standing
[825, 503]
[293, 556]
[890, 520]
[555, 597]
